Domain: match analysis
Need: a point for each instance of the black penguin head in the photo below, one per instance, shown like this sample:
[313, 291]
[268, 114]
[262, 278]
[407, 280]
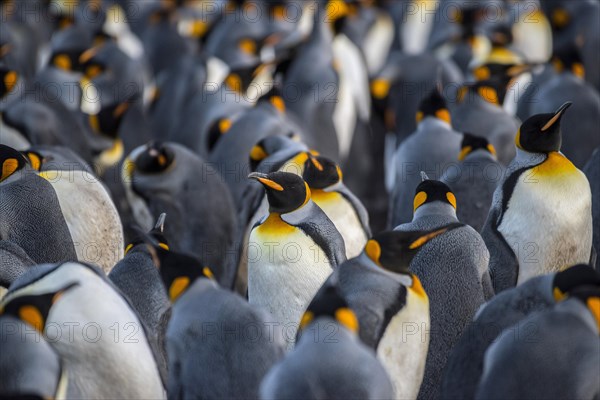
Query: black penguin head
[501, 35]
[271, 145]
[217, 129]
[240, 78]
[35, 159]
[568, 58]
[11, 161]
[491, 90]
[394, 250]
[590, 296]
[433, 105]
[155, 233]
[34, 309]
[109, 118]
[275, 98]
[560, 18]
[156, 158]
[8, 81]
[572, 278]
[321, 173]
[330, 303]
[541, 133]
[471, 143]
[286, 192]
[430, 190]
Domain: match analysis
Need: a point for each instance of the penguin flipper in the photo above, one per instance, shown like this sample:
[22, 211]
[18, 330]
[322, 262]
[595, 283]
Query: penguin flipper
[504, 265]
[315, 223]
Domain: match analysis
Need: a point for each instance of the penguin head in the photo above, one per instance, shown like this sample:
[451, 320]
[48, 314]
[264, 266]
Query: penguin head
[501, 35]
[568, 58]
[330, 304]
[155, 233]
[11, 161]
[273, 144]
[321, 173]
[541, 133]
[34, 158]
[217, 129]
[433, 105]
[108, 120]
[589, 295]
[572, 278]
[275, 98]
[286, 192]
[241, 77]
[34, 309]
[8, 80]
[394, 250]
[155, 158]
[492, 90]
[429, 191]
[471, 143]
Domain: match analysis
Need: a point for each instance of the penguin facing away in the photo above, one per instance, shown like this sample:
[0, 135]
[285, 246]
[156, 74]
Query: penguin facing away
[329, 360]
[324, 178]
[474, 179]
[592, 171]
[562, 344]
[540, 220]
[465, 364]
[454, 271]
[291, 251]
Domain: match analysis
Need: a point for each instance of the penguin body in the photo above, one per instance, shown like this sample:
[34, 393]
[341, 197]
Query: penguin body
[20, 359]
[502, 312]
[329, 360]
[90, 213]
[13, 263]
[592, 171]
[328, 191]
[164, 177]
[431, 148]
[31, 212]
[474, 179]
[457, 260]
[565, 352]
[97, 364]
[305, 248]
[540, 220]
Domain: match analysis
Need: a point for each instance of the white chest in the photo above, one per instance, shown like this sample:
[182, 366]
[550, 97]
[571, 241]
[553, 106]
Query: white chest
[548, 223]
[404, 345]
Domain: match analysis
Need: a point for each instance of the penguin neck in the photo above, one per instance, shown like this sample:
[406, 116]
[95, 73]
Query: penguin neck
[524, 157]
[435, 208]
[575, 306]
[404, 279]
[431, 122]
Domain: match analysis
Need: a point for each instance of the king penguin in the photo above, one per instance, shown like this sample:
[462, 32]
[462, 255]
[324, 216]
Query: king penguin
[329, 361]
[93, 329]
[555, 354]
[344, 209]
[390, 303]
[474, 179]
[454, 271]
[291, 251]
[541, 218]
[89, 212]
[31, 212]
[465, 365]
[214, 335]
[592, 171]
[431, 148]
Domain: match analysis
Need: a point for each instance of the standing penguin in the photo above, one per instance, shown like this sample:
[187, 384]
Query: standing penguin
[474, 179]
[561, 344]
[214, 335]
[88, 210]
[431, 148]
[502, 312]
[324, 178]
[329, 361]
[292, 250]
[167, 177]
[592, 171]
[391, 305]
[541, 217]
[93, 313]
[453, 269]
[31, 213]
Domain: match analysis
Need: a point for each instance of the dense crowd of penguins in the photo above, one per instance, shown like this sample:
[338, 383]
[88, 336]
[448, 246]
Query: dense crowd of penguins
[175, 222]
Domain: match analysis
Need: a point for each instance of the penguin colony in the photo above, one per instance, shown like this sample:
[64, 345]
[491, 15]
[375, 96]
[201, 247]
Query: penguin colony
[279, 199]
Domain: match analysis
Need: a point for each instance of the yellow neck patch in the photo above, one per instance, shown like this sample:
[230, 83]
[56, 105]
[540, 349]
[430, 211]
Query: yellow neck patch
[578, 70]
[464, 152]
[320, 196]
[346, 317]
[10, 80]
[444, 115]
[9, 166]
[178, 286]
[558, 295]
[234, 82]
[198, 28]
[307, 317]
[373, 251]
[419, 117]
[113, 155]
[419, 199]
[451, 199]
[380, 88]
[248, 46]
[556, 165]
[278, 103]
[224, 125]
[336, 9]
[417, 288]
[593, 304]
[489, 94]
[257, 153]
[275, 225]
[32, 316]
[34, 159]
[482, 73]
[63, 62]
